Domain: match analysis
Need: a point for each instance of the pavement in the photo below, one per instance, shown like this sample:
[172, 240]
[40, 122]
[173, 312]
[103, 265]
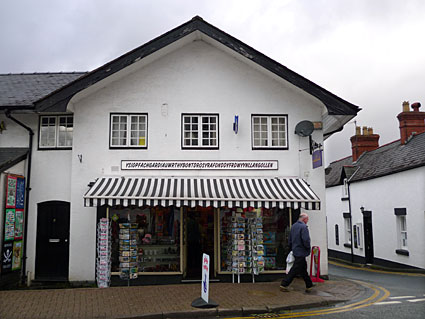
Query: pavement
[172, 301]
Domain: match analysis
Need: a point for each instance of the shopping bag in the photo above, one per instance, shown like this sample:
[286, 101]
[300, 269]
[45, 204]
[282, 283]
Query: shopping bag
[289, 261]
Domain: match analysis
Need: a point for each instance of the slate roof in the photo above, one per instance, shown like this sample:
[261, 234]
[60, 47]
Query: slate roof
[58, 100]
[20, 91]
[10, 156]
[387, 159]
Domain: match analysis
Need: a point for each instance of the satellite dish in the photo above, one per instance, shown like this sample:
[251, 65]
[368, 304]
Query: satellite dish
[304, 128]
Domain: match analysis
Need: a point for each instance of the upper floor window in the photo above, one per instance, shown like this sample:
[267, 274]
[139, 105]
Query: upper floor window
[128, 130]
[345, 189]
[200, 131]
[56, 131]
[269, 131]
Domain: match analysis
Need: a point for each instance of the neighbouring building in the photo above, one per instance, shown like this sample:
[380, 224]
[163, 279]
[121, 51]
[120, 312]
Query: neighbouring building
[191, 143]
[376, 197]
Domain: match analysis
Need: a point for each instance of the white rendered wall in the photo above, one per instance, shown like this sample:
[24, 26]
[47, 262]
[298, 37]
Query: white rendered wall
[197, 78]
[381, 195]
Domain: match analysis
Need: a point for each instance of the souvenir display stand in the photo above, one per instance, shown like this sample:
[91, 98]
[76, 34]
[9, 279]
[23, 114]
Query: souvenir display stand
[103, 262]
[128, 251]
[245, 249]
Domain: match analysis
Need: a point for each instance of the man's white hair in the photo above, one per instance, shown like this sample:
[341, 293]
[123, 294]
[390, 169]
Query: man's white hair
[303, 216]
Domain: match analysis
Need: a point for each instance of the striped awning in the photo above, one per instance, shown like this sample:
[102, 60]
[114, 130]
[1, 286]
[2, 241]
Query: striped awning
[202, 191]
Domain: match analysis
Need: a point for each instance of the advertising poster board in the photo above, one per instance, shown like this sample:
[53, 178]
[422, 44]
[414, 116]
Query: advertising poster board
[6, 258]
[20, 193]
[11, 192]
[17, 255]
[9, 225]
[19, 223]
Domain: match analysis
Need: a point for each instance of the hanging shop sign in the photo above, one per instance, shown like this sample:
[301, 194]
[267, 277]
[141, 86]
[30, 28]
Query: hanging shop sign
[317, 158]
[199, 165]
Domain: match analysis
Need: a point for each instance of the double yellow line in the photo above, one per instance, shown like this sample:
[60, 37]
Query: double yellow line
[379, 294]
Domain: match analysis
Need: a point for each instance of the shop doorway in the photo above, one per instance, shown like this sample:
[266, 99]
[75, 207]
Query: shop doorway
[368, 236]
[52, 247]
[199, 226]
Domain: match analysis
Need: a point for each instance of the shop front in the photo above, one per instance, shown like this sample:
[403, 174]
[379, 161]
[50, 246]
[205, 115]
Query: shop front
[159, 227]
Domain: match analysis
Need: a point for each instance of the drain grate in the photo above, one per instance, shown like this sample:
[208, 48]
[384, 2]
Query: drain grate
[267, 315]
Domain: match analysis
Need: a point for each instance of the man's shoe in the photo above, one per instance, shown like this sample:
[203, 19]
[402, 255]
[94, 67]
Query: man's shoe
[284, 289]
[309, 289]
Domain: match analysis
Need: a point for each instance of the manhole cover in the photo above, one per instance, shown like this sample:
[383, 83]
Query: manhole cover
[261, 293]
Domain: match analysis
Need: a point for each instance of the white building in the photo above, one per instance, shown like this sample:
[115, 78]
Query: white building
[178, 137]
[376, 197]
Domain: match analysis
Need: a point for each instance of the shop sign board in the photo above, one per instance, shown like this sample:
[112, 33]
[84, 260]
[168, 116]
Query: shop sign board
[199, 165]
[205, 277]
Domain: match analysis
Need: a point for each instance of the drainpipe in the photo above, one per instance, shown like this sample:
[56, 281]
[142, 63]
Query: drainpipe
[351, 221]
[28, 189]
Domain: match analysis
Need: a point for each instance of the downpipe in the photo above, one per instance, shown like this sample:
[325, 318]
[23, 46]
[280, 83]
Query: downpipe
[27, 189]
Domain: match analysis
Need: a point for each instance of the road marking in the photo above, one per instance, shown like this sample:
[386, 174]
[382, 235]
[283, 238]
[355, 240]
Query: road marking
[379, 294]
[387, 303]
[402, 297]
[374, 270]
[416, 300]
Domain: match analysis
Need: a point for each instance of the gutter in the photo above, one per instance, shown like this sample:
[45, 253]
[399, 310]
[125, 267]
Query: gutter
[27, 189]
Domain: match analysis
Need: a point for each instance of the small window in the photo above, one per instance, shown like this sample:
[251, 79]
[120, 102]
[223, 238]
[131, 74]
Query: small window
[56, 131]
[269, 132]
[200, 131]
[402, 231]
[347, 227]
[128, 131]
[336, 234]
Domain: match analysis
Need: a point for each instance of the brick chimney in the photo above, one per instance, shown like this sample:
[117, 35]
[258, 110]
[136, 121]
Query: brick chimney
[411, 122]
[365, 142]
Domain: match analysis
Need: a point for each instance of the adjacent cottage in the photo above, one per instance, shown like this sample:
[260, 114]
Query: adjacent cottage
[191, 143]
[375, 198]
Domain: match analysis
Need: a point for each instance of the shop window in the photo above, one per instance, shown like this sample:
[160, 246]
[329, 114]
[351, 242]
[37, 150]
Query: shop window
[271, 238]
[128, 131]
[153, 231]
[56, 132]
[269, 132]
[200, 131]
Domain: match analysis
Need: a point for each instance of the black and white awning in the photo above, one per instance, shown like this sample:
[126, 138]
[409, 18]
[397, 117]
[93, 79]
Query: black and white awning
[202, 191]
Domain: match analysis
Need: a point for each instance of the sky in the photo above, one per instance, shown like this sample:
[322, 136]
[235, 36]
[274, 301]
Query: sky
[370, 53]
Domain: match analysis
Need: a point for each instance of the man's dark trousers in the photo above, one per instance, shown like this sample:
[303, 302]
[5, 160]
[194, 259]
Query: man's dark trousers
[299, 268]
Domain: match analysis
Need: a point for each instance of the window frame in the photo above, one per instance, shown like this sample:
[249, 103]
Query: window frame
[128, 131]
[402, 240]
[347, 230]
[56, 132]
[200, 131]
[269, 132]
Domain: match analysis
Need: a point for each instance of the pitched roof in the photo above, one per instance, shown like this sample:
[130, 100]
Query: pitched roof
[20, 91]
[58, 100]
[387, 159]
[10, 156]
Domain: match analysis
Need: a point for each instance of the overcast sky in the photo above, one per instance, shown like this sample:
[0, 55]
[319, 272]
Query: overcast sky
[368, 52]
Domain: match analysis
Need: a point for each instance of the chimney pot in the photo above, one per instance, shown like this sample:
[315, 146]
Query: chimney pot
[406, 106]
[370, 131]
[416, 106]
[365, 130]
[358, 130]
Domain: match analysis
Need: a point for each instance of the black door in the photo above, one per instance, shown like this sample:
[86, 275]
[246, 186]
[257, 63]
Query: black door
[368, 236]
[52, 248]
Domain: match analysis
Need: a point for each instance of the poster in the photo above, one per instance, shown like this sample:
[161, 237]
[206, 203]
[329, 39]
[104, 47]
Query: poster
[17, 255]
[19, 223]
[11, 192]
[9, 225]
[6, 258]
[20, 193]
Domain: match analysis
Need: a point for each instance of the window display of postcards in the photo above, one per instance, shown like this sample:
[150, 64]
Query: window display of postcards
[128, 250]
[103, 262]
[257, 247]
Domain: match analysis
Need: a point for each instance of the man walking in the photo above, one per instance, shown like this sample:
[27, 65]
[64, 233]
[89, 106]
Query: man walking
[299, 241]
